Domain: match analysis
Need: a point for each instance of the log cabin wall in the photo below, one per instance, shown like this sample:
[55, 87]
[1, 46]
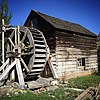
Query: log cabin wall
[75, 53]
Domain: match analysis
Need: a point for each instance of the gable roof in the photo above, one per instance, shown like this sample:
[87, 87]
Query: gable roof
[64, 25]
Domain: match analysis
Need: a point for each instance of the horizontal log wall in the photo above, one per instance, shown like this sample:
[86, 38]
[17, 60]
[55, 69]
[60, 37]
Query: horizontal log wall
[69, 48]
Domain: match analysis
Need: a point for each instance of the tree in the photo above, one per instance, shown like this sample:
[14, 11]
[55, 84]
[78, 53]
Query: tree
[5, 13]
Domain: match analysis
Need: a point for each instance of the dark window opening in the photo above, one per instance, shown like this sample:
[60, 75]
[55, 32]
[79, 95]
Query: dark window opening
[81, 61]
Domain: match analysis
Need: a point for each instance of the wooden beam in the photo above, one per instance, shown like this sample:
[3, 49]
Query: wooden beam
[52, 68]
[6, 71]
[20, 74]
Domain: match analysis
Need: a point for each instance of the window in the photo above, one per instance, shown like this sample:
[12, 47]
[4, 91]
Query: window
[81, 61]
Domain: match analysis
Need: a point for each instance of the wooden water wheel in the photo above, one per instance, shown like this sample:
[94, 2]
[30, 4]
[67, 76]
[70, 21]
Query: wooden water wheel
[30, 47]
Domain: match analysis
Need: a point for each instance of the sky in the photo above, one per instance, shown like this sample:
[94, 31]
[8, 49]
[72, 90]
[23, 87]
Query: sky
[83, 12]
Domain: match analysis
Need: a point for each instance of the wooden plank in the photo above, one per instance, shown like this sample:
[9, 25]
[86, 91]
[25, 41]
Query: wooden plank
[38, 65]
[36, 34]
[96, 64]
[92, 67]
[40, 55]
[4, 64]
[73, 49]
[88, 93]
[67, 70]
[20, 74]
[40, 50]
[39, 41]
[6, 71]
[91, 61]
[39, 60]
[36, 70]
[92, 58]
[53, 70]
[37, 37]
[66, 63]
[32, 74]
[62, 52]
[39, 45]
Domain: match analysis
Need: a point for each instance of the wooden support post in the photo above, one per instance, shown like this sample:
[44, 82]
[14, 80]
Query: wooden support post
[15, 36]
[19, 73]
[12, 75]
[4, 64]
[52, 68]
[3, 41]
[18, 35]
[6, 71]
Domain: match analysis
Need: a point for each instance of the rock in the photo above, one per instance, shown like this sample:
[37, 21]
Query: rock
[54, 82]
[34, 85]
[16, 93]
[15, 85]
[10, 91]
[52, 88]
[47, 81]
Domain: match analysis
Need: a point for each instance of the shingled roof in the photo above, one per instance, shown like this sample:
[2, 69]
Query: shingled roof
[65, 25]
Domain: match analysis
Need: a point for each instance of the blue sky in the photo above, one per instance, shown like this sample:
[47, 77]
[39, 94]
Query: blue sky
[83, 12]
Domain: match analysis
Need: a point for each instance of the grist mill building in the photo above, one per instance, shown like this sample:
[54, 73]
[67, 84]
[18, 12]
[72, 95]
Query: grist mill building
[72, 47]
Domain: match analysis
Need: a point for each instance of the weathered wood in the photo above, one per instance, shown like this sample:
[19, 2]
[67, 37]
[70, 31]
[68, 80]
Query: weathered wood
[38, 65]
[30, 47]
[6, 71]
[70, 47]
[38, 45]
[40, 55]
[4, 65]
[20, 73]
[36, 70]
[40, 50]
[89, 93]
[52, 68]
[92, 67]
[39, 60]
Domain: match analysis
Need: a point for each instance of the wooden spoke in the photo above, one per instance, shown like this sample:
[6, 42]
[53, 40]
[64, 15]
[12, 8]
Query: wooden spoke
[8, 48]
[11, 42]
[24, 37]
[29, 47]
[28, 53]
[24, 65]
[12, 34]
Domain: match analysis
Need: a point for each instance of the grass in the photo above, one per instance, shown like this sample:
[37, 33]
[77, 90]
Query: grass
[28, 96]
[60, 93]
[84, 82]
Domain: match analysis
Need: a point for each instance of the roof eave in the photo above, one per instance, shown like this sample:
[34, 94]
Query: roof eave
[63, 30]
